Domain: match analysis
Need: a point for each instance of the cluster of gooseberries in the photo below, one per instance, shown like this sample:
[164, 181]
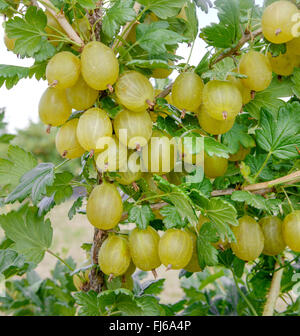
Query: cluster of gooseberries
[78, 80]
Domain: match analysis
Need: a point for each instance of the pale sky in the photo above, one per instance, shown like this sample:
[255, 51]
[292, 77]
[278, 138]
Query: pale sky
[22, 100]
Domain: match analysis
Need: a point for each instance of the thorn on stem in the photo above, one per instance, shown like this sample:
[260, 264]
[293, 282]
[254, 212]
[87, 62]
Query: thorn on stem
[111, 276]
[48, 129]
[253, 93]
[138, 147]
[225, 115]
[123, 278]
[65, 153]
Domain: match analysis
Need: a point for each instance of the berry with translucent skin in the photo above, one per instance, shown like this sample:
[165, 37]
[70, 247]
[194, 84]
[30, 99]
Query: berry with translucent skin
[258, 70]
[63, 70]
[240, 155]
[104, 207]
[249, 239]
[114, 256]
[134, 91]
[291, 231]
[99, 66]
[211, 125]
[245, 92]
[66, 141]
[293, 46]
[9, 43]
[81, 96]
[138, 127]
[215, 166]
[54, 108]
[272, 230]
[143, 246]
[160, 155]
[187, 91]
[53, 35]
[193, 266]
[222, 100]
[175, 249]
[112, 157]
[162, 73]
[278, 21]
[93, 124]
[283, 64]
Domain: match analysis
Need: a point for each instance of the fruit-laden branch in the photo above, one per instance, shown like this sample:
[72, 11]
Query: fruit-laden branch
[60, 17]
[246, 38]
[274, 291]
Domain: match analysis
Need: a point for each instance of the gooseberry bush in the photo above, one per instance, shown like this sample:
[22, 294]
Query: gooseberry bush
[205, 180]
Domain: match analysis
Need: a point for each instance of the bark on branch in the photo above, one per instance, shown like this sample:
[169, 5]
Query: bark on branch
[274, 291]
[60, 17]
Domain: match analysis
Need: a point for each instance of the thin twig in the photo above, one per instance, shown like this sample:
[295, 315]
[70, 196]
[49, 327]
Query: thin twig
[233, 51]
[60, 17]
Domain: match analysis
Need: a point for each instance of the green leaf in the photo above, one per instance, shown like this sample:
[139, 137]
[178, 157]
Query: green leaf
[256, 162]
[6, 138]
[120, 13]
[163, 8]
[3, 5]
[222, 215]
[30, 34]
[18, 163]
[220, 71]
[280, 136]
[214, 148]
[12, 74]
[192, 21]
[76, 205]
[33, 183]
[269, 97]
[256, 201]
[207, 253]
[156, 36]
[227, 33]
[88, 4]
[88, 302]
[141, 215]
[172, 217]
[149, 64]
[153, 287]
[31, 234]
[61, 189]
[236, 137]
[10, 259]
